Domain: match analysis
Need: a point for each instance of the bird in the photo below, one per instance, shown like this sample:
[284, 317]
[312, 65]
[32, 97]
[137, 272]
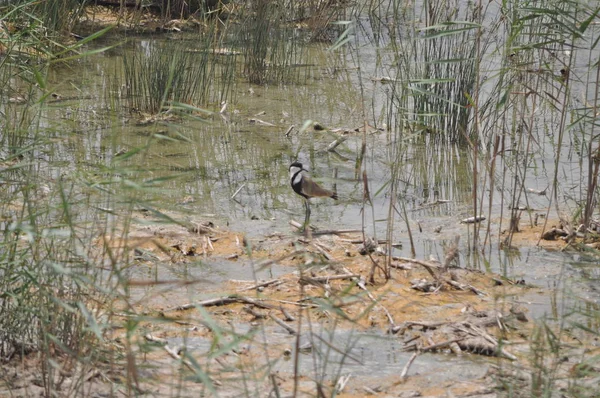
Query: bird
[304, 186]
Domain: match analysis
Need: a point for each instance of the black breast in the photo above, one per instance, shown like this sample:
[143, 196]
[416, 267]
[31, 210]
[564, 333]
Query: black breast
[298, 186]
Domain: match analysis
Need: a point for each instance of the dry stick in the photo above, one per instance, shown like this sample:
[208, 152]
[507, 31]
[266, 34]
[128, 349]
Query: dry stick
[298, 303]
[357, 241]
[561, 131]
[297, 225]
[429, 266]
[256, 315]
[281, 323]
[321, 250]
[428, 325]
[272, 282]
[465, 287]
[335, 143]
[477, 331]
[404, 215]
[297, 343]
[335, 177]
[390, 221]
[219, 301]
[407, 366]
[441, 345]
[325, 279]
[238, 190]
[273, 378]
[289, 130]
[287, 316]
[335, 231]
[256, 303]
[492, 173]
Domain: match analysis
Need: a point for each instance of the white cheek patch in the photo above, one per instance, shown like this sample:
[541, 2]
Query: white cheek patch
[293, 171]
[297, 179]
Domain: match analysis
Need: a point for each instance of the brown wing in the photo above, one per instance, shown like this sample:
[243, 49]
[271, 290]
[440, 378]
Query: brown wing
[312, 189]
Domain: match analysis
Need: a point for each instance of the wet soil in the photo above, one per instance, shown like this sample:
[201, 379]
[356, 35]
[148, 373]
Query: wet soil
[244, 348]
[320, 286]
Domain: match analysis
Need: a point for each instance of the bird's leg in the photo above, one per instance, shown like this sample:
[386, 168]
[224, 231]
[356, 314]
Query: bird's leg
[307, 214]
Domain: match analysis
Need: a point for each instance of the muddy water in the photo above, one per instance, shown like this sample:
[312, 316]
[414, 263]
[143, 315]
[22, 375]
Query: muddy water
[229, 153]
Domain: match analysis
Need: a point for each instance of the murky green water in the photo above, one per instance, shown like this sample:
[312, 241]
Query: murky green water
[203, 163]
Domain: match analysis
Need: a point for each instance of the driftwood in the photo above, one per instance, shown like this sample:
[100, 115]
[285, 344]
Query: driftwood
[206, 227]
[220, 301]
[461, 286]
[472, 220]
[238, 190]
[424, 285]
[443, 344]
[272, 282]
[322, 250]
[319, 280]
[289, 130]
[286, 315]
[369, 245]
[261, 122]
[554, 233]
[255, 314]
[436, 271]
[299, 226]
[466, 335]
[284, 325]
[334, 144]
[407, 366]
[431, 267]
[335, 232]
[153, 339]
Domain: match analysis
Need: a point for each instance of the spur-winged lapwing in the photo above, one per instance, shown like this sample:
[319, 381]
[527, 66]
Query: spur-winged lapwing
[307, 188]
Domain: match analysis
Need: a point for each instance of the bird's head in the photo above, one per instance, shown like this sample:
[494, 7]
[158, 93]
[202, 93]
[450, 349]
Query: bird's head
[295, 167]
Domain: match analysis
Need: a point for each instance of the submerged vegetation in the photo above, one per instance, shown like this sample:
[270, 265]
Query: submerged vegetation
[477, 109]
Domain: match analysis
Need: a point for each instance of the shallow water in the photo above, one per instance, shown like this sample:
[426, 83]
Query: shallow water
[229, 154]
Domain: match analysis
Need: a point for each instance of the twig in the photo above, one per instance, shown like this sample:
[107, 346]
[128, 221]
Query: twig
[325, 279]
[335, 232]
[281, 323]
[238, 190]
[273, 378]
[407, 366]
[219, 301]
[465, 287]
[255, 314]
[401, 266]
[287, 316]
[440, 345]
[429, 266]
[289, 130]
[272, 282]
[331, 147]
[322, 251]
[155, 339]
[407, 324]
[261, 122]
